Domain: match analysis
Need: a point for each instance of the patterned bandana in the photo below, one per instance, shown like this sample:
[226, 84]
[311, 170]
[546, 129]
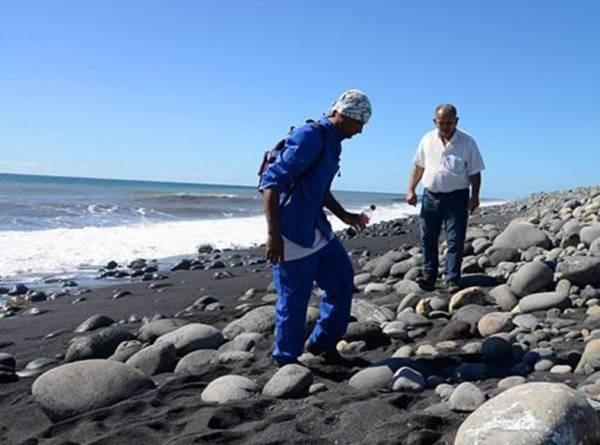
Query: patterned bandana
[354, 104]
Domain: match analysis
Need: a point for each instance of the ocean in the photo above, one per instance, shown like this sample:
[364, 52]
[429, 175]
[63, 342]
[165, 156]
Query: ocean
[59, 226]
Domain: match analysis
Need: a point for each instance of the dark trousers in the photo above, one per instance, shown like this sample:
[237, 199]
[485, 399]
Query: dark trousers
[451, 209]
[331, 268]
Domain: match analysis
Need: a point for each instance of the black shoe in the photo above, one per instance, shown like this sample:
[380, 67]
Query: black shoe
[426, 283]
[452, 287]
[328, 356]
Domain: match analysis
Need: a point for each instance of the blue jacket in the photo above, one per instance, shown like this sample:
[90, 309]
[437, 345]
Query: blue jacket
[304, 210]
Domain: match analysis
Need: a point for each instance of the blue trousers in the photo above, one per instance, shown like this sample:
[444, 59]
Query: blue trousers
[451, 209]
[331, 268]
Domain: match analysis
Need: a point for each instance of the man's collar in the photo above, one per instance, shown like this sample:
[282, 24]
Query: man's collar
[336, 131]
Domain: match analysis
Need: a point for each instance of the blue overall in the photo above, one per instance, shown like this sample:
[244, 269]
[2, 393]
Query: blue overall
[330, 266]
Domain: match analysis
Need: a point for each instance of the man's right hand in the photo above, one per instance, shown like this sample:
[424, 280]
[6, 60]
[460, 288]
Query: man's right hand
[411, 198]
[275, 249]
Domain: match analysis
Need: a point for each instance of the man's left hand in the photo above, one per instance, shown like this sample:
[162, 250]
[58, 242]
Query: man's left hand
[354, 220]
[473, 203]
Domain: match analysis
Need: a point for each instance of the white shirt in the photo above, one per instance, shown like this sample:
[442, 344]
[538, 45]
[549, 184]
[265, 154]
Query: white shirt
[293, 251]
[447, 168]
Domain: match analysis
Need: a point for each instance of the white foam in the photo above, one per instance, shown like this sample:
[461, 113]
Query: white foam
[58, 251]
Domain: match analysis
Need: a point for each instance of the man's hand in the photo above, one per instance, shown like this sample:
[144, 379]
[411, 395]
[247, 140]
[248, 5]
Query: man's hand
[275, 249]
[411, 198]
[473, 203]
[354, 220]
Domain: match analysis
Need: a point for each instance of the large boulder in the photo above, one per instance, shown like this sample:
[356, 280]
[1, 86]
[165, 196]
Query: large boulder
[99, 344]
[364, 310]
[532, 414]
[289, 381]
[260, 319]
[229, 388]
[522, 235]
[193, 336]
[150, 331]
[530, 278]
[77, 388]
[93, 323]
[580, 270]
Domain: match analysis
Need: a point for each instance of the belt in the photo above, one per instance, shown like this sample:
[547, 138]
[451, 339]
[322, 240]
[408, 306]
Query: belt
[453, 192]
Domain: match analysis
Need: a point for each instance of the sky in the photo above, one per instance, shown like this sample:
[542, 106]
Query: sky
[195, 91]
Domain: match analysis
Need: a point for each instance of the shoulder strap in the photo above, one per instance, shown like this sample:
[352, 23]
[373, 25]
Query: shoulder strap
[312, 165]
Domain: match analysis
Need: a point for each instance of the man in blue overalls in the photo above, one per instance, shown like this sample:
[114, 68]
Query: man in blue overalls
[300, 243]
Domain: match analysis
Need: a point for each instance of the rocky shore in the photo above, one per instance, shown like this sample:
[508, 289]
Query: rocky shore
[182, 356]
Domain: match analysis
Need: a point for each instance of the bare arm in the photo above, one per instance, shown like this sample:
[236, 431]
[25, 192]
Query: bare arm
[352, 219]
[413, 181]
[274, 240]
[475, 186]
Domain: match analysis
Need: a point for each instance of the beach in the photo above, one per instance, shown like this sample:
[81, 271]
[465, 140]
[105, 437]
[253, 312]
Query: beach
[412, 352]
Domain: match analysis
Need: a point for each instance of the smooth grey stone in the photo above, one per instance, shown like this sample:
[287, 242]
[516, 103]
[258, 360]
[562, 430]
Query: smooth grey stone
[99, 344]
[594, 249]
[243, 342]
[126, 350]
[228, 357]
[289, 381]
[150, 331]
[372, 288]
[543, 365]
[7, 361]
[526, 321]
[76, 388]
[495, 322]
[396, 330]
[522, 235]
[504, 297]
[229, 388]
[471, 314]
[399, 269]
[409, 300]
[444, 390]
[374, 377]
[154, 359]
[580, 270]
[412, 319]
[531, 414]
[499, 255]
[260, 319]
[590, 233]
[510, 382]
[364, 310]
[531, 278]
[196, 362]
[466, 397]
[542, 301]
[455, 330]
[94, 322]
[192, 337]
[405, 287]
[362, 278]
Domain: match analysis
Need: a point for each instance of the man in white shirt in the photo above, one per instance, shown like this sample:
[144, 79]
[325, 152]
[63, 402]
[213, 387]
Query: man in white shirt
[448, 161]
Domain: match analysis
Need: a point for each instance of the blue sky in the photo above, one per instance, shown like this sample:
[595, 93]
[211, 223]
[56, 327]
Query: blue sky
[194, 91]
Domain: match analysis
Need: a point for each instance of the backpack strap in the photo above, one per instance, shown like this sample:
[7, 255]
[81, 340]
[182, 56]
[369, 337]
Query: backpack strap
[311, 166]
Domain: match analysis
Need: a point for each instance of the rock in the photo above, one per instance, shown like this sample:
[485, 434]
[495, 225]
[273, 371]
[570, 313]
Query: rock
[229, 388]
[396, 330]
[407, 379]
[401, 268]
[444, 390]
[495, 347]
[542, 301]
[589, 234]
[412, 319]
[455, 330]
[383, 267]
[466, 397]
[94, 322]
[181, 265]
[374, 377]
[260, 319]
[193, 336]
[362, 278]
[243, 342]
[377, 288]
[154, 359]
[510, 382]
[532, 414]
[289, 381]
[471, 371]
[595, 248]
[227, 357]
[590, 358]
[522, 235]
[77, 388]
[470, 295]
[196, 362]
[99, 344]
[526, 321]
[495, 322]
[471, 314]
[478, 279]
[150, 331]
[530, 278]
[409, 300]
[405, 287]
[7, 361]
[580, 270]
[364, 310]
[126, 350]
[499, 255]
[504, 297]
